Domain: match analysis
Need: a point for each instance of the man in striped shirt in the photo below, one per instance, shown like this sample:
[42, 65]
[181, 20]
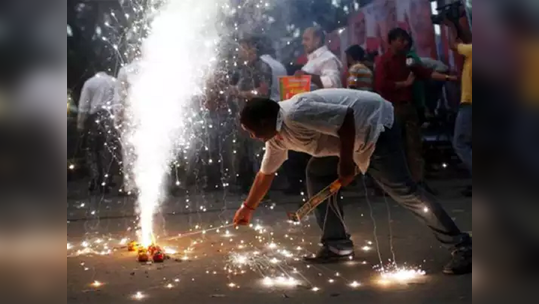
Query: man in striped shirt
[360, 76]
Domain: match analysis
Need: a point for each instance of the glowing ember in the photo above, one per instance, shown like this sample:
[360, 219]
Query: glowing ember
[355, 284]
[400, 275]
[280, 282]
[138, 296]
[97, 284]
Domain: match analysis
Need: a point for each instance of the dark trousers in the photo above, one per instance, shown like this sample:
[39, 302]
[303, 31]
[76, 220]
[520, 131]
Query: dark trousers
[407, 118]
[389, 169]
[462, 140]
[294, 169]
[99, 147]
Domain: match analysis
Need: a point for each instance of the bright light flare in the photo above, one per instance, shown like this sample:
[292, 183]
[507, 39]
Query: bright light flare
[138, 296]
[172, 70]
[96, 284]
[400, 276]
[280, 282]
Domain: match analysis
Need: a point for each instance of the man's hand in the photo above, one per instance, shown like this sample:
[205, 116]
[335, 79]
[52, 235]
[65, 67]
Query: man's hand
[410, 80]
[243, 216]
[347, 172]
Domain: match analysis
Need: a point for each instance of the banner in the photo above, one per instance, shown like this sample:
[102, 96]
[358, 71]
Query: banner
[370, 25]
[293, 85]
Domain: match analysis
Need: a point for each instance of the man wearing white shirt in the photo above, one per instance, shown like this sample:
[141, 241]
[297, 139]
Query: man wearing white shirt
[277, 70]
[352, 129]
[95, 123]
[323, 66]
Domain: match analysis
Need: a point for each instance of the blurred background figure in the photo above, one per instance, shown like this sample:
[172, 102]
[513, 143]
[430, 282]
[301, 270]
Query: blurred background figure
[360, 76]
[323, 66]
[95, 123]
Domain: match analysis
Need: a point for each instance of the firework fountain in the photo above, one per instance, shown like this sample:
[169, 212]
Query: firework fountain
[176, 56]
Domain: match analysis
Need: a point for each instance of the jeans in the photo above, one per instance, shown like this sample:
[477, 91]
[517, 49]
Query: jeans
[462, 140]
[389, 169]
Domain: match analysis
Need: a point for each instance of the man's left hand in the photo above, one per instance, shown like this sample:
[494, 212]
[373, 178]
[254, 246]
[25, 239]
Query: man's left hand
[347, 172]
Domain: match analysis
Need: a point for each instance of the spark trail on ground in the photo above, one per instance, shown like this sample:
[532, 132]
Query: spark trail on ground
[177, 56]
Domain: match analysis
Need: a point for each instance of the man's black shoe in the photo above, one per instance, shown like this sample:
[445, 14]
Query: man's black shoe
[461, 263]
[325, 255]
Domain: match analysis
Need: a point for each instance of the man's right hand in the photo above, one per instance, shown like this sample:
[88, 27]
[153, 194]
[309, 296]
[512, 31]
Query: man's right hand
[243, 216]
[410, 81]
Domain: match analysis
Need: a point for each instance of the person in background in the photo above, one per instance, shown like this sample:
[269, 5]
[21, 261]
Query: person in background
[277, 69]
[344, 130]
[323, 66]
[394, 80]
[95, 123]
[255, 75]
[360, 76]
[462, 139]
[255, 80]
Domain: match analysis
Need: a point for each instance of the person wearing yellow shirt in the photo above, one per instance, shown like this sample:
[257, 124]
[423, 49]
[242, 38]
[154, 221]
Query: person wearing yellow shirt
[462, 140]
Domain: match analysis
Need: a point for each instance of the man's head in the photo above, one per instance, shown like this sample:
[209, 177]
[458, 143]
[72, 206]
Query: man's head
[354, 54]
[249, 49]
[259, 118]
[313, 39]
[399, 40]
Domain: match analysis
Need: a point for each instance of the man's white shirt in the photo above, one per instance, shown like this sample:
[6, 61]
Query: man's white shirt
[278, 70]
[97, 93]
[310, 123]
[324, 63]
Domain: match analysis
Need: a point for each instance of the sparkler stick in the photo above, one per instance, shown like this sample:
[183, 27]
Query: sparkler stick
[182, 235]
[316, 200]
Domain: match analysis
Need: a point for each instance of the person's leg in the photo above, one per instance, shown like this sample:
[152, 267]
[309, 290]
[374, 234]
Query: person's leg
[329, 215]
[462, 140]
[294, 169]
[388, 168]
[408, 122]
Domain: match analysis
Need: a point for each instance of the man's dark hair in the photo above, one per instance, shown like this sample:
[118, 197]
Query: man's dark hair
[356, 52]
[257, 113]
[397, 33]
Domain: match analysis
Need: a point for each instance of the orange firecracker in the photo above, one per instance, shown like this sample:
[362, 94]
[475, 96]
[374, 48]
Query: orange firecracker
[159, 257]
[143, 255]
[132, 246]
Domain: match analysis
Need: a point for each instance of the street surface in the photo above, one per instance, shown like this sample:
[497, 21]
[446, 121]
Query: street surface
[229, 265]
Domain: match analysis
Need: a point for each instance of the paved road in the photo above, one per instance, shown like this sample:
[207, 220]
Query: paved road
[207, 269]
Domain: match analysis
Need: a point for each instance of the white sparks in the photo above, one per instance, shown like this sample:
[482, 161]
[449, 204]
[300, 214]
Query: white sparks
[400, 275]
[172, 71]
[138, 296]
[366, 248]
[96, 284]
[355, 284]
